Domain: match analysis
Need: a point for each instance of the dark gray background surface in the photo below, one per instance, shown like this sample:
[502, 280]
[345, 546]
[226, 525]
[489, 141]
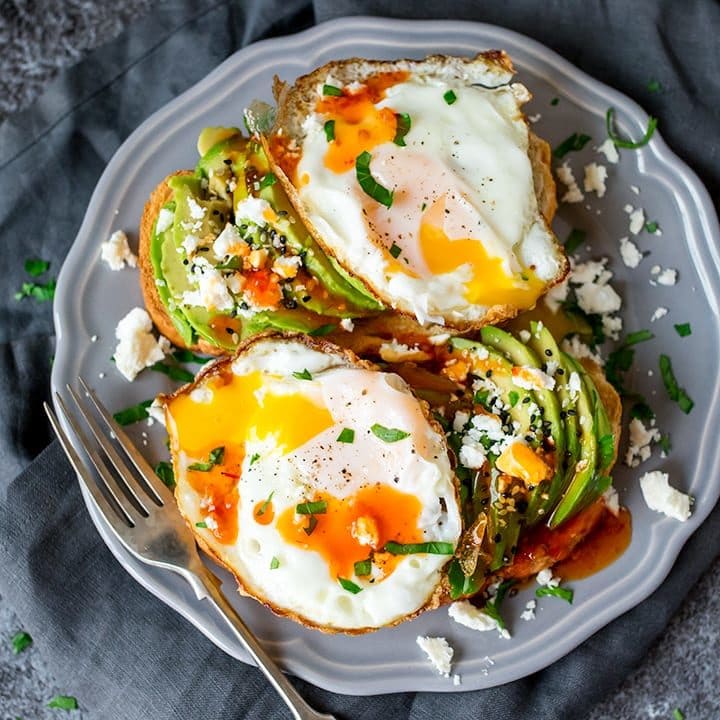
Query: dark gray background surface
[97, 634]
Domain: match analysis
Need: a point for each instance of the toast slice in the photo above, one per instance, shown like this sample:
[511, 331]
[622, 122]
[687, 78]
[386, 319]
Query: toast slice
[293, 145]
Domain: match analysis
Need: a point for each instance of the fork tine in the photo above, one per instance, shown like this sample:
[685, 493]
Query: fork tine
[102, 470]
[155, 487]
[126, 477]
[81, 469]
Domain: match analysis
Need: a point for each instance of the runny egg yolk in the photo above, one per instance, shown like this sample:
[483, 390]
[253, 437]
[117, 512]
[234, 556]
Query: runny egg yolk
[520, 461]
[235, 412]
[380, 512]
[359, 124]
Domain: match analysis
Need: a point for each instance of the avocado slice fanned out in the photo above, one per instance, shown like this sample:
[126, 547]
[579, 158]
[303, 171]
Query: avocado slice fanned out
[535, 447]
[313, 294]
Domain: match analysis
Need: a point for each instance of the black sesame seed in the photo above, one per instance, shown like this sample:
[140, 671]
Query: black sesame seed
[498, 538]
[227, 161]
[306, 298]
[548, 352]
[560, 371]
[526, 399]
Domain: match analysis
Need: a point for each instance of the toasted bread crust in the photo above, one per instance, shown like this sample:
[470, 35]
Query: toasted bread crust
[154, 305]
[296, 101]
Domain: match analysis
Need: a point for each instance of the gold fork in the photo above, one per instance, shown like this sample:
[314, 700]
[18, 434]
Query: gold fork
[142, 514]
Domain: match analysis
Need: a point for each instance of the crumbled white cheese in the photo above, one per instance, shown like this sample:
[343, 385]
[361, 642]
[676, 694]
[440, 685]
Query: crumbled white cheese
[116, 252]
[629, 253]
[534, 118]
[609, 150]
[554, 297]
[202, 395]
[456, 680]
[287, 266]
[212, 291]
[637, 220]
[525, 335]
[574, 383]
[190, 244]
[235, 283]
[530, 378]
[164, 220]
[639, 442]
[660, 496]
[227, 242]
[395, 351]
[612, 325]
[438, 651]
[546, 578]
[612, 501]
[465, 613]
[197, 211]
[635, 189]
[93, 338]
[254, 210]
[529, 612]
[472, 453]
[566, 177]
[667, 277]
[347, 324]
[137, 347]
[660, 312]
[156, 411]
[460, 420]
[440, 339]
[551, 367]
[595, 176]
[598, 299]
[578, 349]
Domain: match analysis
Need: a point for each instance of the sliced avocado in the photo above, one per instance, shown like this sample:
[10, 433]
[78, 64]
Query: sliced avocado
[226, 159]
[584, 472]
[506, 524]
[211, 136]
[520, 354]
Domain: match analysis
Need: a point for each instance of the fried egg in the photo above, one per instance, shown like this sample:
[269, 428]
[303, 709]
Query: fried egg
[422, 185]
[320, 482]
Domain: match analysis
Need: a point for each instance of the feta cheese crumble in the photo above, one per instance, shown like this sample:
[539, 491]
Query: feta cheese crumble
[212, 291]
[347, 324]
[547, 579]
[595, 176]
[529, 612]
[637, 219]
[609, 150]
[465, 613]
[660, 496]
[438, 651]
[640, 442]
[254, 210]
[667, 277]
[629, 253]
[566, 177]
[660, 312]
[612, 500]
[116, 252]
[164, 220]
[137, 347]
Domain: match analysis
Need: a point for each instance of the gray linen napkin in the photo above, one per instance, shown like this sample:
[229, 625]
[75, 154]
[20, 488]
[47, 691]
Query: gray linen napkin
[122, 652]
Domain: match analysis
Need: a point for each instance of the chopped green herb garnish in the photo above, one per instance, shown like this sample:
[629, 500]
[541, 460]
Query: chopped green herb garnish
[312, 524]
[63, 702]
[683, 329]
[268, 181]
[450, 97]
[133, 414]
[255, 457]
[606, 448]
[665, 443]
[329, 128]
[332, 90]
[395, 250]
[678, 714]
[460, 584]
[555, 101]
[402, 128]
[312, 508]
[642, 411]
[651, 227]
[574, 240]
[349, 585]
[164, 470]
[674, 391]
[388, 435]
[274, 564]
[513, 397]
[574, 143]
[431, 548]
[619, 361]
[263, 508]
[20, 641]
[36, 267]
[347, 435]
[174, 372]
[636, 337]
[620, 142]
[41, 293]
[215, 458]
[368, 183]
[304, 375]
[322, 330]
[654, 86]
[363, 567]
[201, 524]
[492, 607]
[186, 356]
[559, 592]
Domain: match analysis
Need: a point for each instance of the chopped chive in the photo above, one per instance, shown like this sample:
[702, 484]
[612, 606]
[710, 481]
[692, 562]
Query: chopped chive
[255, 457]
[133, 414]
[349, 585]
[312, 524]
[402, 128]
[665, 443]
[492, 607]
[332, 90]
[642, 411]
[574, 143]
[263, 508]
[201, 524]
[363, 567]
[651, 227]
[395, 250]
[388, 435]
[620, 142]
[555, 101]
[174, 372]
[312, 508]
[638, 336]
[683, 329]
[35, 266]
[368, 183]
[674, 391]
[186, 356]
[164, 470]
[63, 702]
[304, 375]
[41, 293]
[268, 181]
[574, 240]
[329, 128]
[322, 330]
[513, 397]
[678, 714]
[274, 564]
[347, 435]
[20, 641]
[559, 592]
[654, 86]
[431, 548]
[460, 584]
[215, 458]
[450, 97]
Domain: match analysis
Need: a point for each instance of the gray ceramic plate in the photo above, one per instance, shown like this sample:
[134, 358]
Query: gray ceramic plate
[91, 299]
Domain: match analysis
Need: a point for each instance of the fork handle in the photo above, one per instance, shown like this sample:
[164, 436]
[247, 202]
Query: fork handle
[299, 708]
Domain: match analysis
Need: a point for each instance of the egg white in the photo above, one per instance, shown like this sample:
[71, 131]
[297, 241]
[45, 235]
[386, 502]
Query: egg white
[302, 585]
